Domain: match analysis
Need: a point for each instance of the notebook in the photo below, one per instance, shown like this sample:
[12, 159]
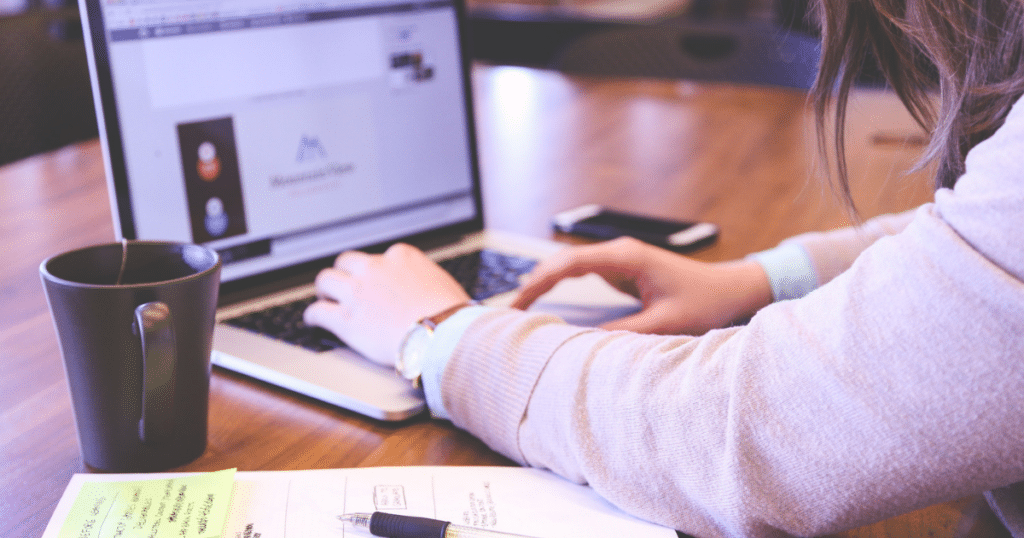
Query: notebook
[282, 133]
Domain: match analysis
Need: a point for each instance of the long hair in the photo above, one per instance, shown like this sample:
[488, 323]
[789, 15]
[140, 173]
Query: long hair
[957, 65]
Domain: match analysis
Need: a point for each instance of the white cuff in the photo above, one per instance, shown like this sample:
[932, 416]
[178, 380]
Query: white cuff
[446, 336]
[789, 269]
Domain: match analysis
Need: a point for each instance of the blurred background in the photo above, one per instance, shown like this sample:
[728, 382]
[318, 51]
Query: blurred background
[46, 100]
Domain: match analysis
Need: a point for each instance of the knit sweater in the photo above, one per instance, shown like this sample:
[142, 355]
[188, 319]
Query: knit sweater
[895, 385]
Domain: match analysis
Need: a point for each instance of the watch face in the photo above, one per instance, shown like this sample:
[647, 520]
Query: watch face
[414, 351]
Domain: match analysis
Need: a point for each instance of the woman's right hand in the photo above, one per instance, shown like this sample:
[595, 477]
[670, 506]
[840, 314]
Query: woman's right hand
[679, 295]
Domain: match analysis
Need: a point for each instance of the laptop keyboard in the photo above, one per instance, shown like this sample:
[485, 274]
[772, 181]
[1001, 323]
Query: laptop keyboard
[483, 274]
[486, 273]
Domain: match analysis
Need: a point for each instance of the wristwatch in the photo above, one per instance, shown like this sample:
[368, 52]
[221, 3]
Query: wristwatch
[413, 349]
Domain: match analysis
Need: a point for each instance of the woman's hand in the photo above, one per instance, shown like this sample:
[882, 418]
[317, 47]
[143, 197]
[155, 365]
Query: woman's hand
[679, 295]
[370, 301]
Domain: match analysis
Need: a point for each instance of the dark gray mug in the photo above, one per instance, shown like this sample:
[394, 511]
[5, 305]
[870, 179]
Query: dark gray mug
[135, 325]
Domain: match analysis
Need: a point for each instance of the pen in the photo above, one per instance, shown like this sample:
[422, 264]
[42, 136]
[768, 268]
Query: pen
[396, 526]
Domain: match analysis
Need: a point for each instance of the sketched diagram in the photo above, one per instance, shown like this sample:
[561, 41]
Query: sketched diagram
[389, 498]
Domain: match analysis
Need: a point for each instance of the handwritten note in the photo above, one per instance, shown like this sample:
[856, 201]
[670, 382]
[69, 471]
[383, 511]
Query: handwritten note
[194, 506]
[306, 504]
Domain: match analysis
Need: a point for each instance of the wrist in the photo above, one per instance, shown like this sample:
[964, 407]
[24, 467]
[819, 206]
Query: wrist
[748, 287]
[414, 345]
[447, 337]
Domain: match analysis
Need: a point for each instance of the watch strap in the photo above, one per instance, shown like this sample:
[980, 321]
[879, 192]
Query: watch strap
[433, 321]
[429, 323]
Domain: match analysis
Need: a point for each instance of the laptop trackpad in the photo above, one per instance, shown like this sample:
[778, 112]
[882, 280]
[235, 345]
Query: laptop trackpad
[587, 301]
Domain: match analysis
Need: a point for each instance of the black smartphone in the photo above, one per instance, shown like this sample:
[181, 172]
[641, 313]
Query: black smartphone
[599, 222]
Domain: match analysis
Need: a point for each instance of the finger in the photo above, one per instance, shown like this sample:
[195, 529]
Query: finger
[334, 284]
[403, 250]
[325, 314]
[603, 259]
[352, 261]
[545, 276]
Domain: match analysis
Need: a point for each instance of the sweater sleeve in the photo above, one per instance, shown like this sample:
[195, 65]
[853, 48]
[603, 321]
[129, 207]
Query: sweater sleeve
[804, 262]
[834, 251]
[894, 386]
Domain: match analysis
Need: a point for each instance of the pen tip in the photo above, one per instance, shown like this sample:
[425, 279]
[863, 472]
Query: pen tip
[357, 519]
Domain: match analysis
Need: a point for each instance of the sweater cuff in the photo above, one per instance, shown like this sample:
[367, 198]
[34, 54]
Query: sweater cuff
[446, 336]
[789, 269]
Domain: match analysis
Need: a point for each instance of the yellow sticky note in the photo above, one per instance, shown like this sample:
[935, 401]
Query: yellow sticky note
[194, 506]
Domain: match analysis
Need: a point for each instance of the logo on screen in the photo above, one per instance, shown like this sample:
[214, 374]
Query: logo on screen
[310, 148]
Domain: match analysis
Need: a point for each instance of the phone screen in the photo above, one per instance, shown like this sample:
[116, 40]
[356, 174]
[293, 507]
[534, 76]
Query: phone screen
[602, 223]
[624, 223]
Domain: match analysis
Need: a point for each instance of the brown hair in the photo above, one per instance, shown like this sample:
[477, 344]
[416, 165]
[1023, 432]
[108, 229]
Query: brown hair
[967, 53]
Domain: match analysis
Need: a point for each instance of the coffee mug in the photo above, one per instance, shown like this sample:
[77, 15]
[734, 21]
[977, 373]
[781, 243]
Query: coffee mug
[135, 324]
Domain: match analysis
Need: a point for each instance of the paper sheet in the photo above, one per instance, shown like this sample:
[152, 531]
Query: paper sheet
[305, 504]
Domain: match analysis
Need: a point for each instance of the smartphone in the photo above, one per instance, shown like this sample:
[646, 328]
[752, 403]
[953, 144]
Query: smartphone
[599, 222]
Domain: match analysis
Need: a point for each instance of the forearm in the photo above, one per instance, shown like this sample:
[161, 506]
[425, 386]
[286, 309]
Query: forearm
[821, 414]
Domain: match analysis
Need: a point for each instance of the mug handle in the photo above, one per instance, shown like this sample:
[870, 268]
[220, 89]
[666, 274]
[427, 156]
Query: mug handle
[159, 358]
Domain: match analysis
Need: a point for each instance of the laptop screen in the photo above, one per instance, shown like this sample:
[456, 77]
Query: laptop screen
[278, 133]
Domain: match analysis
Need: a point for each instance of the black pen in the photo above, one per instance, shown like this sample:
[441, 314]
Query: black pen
[396, 526]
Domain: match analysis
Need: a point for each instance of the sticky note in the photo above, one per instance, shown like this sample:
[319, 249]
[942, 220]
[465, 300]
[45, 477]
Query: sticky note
[193, 506]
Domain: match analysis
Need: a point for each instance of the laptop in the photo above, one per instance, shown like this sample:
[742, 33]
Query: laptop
[283, 133]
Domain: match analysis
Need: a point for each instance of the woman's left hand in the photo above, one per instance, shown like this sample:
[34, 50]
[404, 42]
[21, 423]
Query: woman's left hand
[370, 301]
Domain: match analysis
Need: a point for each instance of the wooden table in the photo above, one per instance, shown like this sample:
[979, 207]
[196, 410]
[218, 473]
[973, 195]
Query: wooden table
[738, 156]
